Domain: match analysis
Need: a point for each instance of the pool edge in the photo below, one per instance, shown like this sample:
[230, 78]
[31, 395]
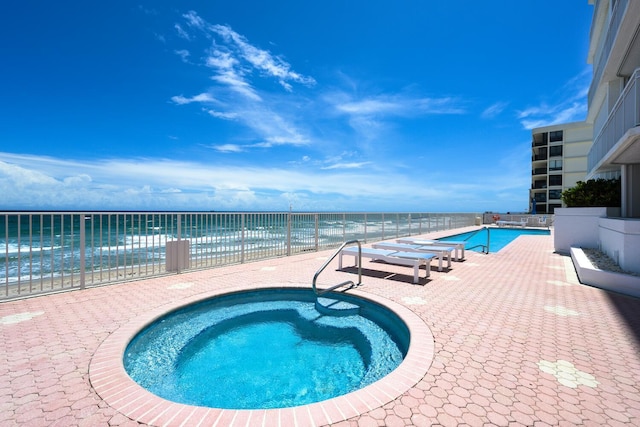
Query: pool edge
[112, 383]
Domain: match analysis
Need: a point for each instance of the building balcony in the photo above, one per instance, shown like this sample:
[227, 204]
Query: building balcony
[537, 157]
[539, 171]
[538, 185]
[540, 198]
[619, 139]
[604, 50]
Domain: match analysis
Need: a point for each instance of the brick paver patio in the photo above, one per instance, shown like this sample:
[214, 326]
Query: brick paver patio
[517, 341]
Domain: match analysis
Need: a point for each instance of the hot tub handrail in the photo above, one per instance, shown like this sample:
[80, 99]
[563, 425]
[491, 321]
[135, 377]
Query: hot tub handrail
[348, 282]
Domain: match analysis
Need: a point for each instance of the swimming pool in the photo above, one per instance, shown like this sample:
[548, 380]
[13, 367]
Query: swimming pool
[498, 237]
[265, 349]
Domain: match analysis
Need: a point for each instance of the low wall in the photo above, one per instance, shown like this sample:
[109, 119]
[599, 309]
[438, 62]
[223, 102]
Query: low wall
[578, 227]
[620, 240]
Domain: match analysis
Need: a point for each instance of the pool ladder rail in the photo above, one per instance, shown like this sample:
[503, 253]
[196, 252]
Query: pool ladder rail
[485, 248]
[334, 306]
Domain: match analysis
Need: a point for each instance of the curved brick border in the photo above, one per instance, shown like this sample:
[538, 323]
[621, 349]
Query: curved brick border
[110, 380]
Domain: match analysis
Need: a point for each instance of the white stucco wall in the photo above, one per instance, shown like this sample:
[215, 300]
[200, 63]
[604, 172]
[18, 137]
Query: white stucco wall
[620, 239]
[577, 227]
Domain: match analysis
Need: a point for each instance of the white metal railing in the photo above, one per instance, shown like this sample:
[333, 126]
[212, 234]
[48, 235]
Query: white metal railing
[46, 252]
[624, 116]
[604, 50]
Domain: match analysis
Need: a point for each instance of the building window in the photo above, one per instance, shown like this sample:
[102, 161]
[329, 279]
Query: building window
[555, 136]
[555, 179]
[555, 194]
[555, 165]
[556, 150]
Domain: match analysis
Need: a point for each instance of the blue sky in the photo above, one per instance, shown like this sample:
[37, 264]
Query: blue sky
[334, 105]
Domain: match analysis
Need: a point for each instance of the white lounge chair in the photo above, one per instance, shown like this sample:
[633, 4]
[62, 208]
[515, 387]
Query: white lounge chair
[411, 259]
[522, 223]
[459, 245]
[442, 252]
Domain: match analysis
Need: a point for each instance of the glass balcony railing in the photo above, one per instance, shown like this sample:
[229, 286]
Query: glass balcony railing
[539, 171]
[604, 50]
[624, 116]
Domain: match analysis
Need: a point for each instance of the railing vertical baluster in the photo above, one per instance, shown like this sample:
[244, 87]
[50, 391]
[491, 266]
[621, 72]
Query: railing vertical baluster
[51, 260]
[82, 250]
[242, 236]
[19, 253]
[41, 252]
[6, 255]
[30, 253]
[289, 232]
[62, 249]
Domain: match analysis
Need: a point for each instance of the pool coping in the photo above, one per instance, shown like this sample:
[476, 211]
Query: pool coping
[112, 383]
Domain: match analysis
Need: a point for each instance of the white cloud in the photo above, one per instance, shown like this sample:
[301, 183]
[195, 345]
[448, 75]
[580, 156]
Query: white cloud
[222, 115]
[236, 83]
[193, 20]
[184, 54]
[340, 183]
[570, 107]
[228, 148]
[181, 32]
[261, 59]
[494, 110]
[352, 165]
[167, 184]
[202, 98]
[397, 105]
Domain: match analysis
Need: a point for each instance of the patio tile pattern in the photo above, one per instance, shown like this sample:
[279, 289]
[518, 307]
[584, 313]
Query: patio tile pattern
[517, 341]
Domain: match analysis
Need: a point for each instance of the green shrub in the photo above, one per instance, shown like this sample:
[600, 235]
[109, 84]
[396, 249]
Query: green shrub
[595, 192]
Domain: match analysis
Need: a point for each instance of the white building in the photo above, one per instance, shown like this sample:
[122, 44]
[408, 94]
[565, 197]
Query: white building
[614, 112]
[614, 98]
[558, 162]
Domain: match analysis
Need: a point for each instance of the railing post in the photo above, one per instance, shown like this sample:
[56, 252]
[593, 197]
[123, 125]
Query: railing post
[83, 218]
[365, 227]
[344, 226]
[289, 232]
[242, 238]
[317, 232]
[179, 225]
[382, 237]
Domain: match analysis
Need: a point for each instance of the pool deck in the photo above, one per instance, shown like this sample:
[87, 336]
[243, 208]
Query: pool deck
[506, 339]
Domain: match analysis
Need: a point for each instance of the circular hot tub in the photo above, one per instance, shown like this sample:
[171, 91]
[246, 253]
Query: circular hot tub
[406, 330]
[269, 348]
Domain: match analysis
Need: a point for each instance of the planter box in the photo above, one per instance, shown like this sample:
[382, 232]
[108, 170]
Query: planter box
[610, 281]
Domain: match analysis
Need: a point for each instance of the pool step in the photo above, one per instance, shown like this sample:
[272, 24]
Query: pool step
[336, 307]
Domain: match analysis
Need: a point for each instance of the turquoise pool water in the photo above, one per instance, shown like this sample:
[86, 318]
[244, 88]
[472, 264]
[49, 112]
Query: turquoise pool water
[498, 237]
[265, 349]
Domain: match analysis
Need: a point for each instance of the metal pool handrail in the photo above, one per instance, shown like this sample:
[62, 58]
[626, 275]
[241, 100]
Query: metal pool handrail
[485, 249]
[347, 282]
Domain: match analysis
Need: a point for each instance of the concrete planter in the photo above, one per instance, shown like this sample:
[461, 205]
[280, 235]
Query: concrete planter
[579, 227]
[610, 281]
